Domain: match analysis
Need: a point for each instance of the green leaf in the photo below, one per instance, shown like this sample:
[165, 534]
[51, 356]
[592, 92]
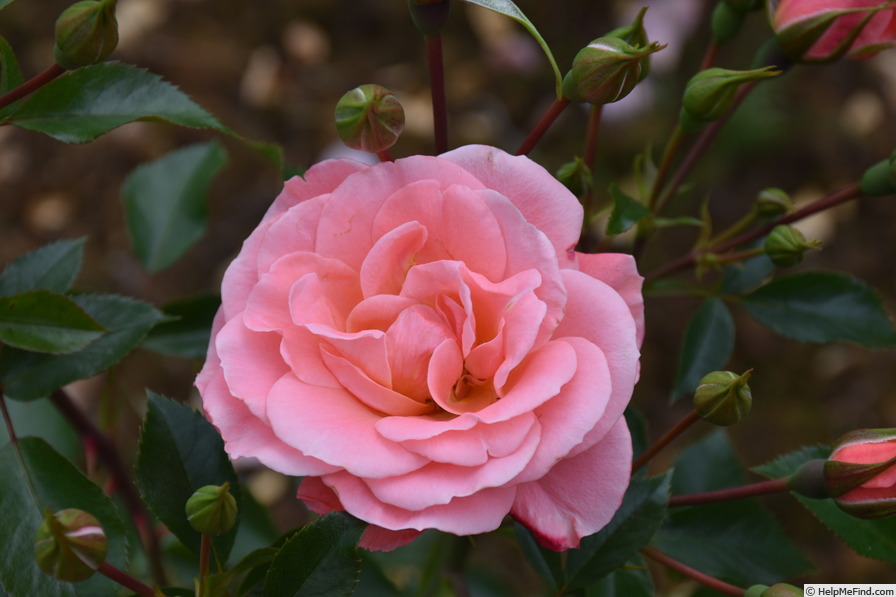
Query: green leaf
[34, 478]
[83, 104]
[640, 515]
[164, 203]
[822, 307]
[627, 211]
[681, 221]
[260, 558]
[744, 276]
[509, 9]
[321, 559]
[188, 330]
[546, 563]
[708, 344]
[44, 321]
[736, 541]
[10, 74]
[29, 375]
[51, 267]
[870, 538]
[180, 451]
[5, 3]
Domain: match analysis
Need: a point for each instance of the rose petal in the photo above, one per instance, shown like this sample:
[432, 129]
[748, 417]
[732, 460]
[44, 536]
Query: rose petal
[386, 265]
[620, 272]
[331, 425]
[580, 495]
[474, 446]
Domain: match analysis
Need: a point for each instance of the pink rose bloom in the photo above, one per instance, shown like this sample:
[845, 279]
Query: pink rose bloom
[820, 30]
[422, 343]
[860, 474]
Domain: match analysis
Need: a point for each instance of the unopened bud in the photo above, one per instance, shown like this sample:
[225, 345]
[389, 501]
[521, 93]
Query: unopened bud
[772, 202]
[744, 5]
[786, 245]
[430, 16]
[726, 22]
[782, 590]
[811, 33]
[605, 71]
[70, 545]
[369, 118]
[723, 397]
[711, 93]
[860, 473]
[86, 33]
[880, 179]
[576, 176]
[755, 591]
[211, 510]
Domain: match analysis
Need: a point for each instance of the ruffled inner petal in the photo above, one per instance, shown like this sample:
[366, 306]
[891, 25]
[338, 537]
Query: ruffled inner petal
[385, 267]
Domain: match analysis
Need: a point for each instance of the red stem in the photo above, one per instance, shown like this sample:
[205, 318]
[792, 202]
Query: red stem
[679, 428]
[436, 65]
[733, 493]
[119, 472]
[31, 85]
[702, 578]
[553, 111]
[827, 202]
[125, 580]
[712, 50]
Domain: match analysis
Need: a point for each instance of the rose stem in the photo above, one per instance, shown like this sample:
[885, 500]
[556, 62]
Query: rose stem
[547, 119]
[700, 146]
[702, 578]
[590, 154]
[734, 493]
[849, 193]
[672, 147]
[385, 155]
[679, 428]
[436, 67]
[709, 57]
[204, 549]
[125, 580]
[108, 454]
[31, 85]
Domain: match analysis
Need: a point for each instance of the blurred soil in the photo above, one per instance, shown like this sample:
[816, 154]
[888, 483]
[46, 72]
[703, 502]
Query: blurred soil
[273, 70]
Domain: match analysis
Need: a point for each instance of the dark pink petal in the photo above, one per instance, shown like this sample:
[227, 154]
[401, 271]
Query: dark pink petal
[479, 513]
[580, 495]
[333, 426]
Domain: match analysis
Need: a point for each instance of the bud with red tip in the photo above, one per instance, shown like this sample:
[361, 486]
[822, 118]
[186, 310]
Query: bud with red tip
[860, 473]
[369, 118]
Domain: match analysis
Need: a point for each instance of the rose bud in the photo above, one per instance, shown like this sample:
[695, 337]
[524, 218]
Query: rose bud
[860, 473]
[606, 70]
[771, 203]
[212, 509]
[723, 397]
[785, 246]
[782, 590]
[711, 93]
[880, 179]
[369, 118]
[815, 31]
[430, 16]
[808, 480]
[70, 545]
[86, 33]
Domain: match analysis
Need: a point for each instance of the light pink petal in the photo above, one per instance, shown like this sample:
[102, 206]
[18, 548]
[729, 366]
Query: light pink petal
[580, 495]
[251, 374]
[543, 200]
[319, 179]
[438, 483]
[410, 343]
[301, 351]
[567, 418]
[401, 429]
[293, 231]
[522, 318]
[377, 312]
[244, 434]
[367, 391]
[331, 425]
[365, 349]
[388, 262]
[479, 513]
[346, 224]
[620, 272]
[475, 446]
[242, 273]
[598, 314]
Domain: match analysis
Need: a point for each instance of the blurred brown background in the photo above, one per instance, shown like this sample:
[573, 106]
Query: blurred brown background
[273, 70]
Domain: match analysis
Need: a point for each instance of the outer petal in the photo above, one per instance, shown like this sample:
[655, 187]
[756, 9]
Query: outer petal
[620, 273]
[319, 179]
[580, 495]
[536, 193]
